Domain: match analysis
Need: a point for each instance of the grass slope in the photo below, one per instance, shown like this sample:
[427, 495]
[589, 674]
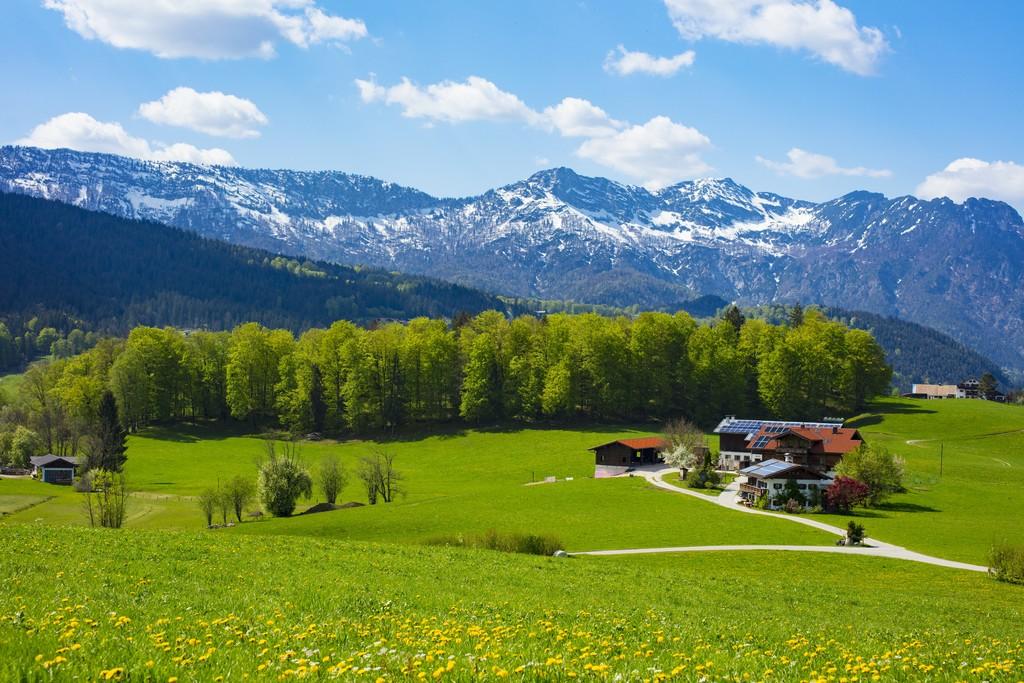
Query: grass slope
[459, 482]
[9, 385]
[978, 497]
[278, 608]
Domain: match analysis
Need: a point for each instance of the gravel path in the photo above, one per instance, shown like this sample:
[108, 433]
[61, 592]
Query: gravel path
[727, 499]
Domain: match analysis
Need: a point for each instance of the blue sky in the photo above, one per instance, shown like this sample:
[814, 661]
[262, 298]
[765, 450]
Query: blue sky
[808, 98]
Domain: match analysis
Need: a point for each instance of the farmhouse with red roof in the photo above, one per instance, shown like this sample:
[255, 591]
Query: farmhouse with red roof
[816, 445]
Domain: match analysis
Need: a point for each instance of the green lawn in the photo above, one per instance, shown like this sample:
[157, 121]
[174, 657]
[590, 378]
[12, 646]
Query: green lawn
[979, 495]
[283, 607]
[9, 385]
[458, 482]
[676, 480]
[469, 481]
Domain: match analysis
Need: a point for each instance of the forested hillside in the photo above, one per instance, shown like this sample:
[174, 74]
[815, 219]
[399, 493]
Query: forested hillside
[484, 370]
[917, 354]
[921, 354]
[112, 274]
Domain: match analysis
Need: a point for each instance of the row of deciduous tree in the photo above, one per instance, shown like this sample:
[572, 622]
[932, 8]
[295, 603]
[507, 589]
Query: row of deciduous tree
[483, 369]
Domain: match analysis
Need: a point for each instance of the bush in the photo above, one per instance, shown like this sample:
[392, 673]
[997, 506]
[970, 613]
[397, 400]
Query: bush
[106, 504]
[207, 502]
[876, 467]
[854, 533]
[282, 479]
[845, 492]
[527, 544]
[1006, 563]
[704, 478]
[793, 506]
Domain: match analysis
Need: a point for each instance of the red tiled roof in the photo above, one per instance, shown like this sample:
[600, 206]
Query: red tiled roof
[834, 441]
[639, 443]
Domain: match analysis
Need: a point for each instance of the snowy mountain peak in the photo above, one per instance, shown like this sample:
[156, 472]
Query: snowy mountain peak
[559, 234]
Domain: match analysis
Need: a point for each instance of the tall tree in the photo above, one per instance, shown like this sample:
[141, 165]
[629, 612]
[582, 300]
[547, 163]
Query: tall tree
[734, 317]
[109, 442]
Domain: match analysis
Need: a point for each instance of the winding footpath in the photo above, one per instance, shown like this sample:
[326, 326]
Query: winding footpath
[728, 498]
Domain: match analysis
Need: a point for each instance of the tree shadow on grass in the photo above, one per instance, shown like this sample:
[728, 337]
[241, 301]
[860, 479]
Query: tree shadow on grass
[189, 433]
[907, 507]
[455, 430]
[879, 412]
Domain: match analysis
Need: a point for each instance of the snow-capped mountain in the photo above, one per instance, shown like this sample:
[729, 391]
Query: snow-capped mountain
[956, 267]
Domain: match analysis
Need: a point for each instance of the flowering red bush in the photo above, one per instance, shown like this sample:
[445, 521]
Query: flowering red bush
[845, 492]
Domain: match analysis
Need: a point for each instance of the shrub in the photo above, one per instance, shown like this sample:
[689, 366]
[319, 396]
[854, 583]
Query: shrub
[854, 533]
[703, 478]
[528, 544]
[239, 493]
[793, 506]
[1006, 563]
[207, 501]
[876, 467]
[282, 479]
[845, 492]
[333, 478]
[106, 504]
[694, 480]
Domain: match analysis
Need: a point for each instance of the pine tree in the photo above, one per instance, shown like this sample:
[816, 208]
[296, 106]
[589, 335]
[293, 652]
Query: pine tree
[734, 317]
[109, 441]
[796, 315]
[987, 386]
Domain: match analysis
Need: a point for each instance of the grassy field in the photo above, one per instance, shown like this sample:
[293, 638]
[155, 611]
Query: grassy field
[713, 491]
[977, 497]
[354, 594]
[9, 385]
[276, 608]
[469, 481]
[461, 482]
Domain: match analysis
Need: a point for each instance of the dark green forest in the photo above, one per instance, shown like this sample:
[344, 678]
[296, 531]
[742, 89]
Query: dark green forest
[487, 369]
[69, 269]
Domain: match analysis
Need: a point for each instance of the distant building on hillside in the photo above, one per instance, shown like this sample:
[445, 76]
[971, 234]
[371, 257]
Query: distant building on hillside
[54, 469]
[941, 391]
[969, 388]
[815, 445]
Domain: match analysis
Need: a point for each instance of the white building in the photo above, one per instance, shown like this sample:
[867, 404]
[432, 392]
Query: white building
[770, 477]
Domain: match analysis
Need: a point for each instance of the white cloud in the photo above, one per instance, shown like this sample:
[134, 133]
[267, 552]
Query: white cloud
[965, 178]
[208, 29]
[476, 99]
[575, 117]
[624, 62]
[213, 113]
[821, 27]
[804, 164]
[182, 151]
[79, 131]
[658, 152]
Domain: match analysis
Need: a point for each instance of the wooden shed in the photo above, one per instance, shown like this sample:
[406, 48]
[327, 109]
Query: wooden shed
[630, 452]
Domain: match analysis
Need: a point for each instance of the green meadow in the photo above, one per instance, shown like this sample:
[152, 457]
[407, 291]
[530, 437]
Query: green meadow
[976, 498]
[203, 606]
[460, 482]
[357, 594]
[9, 385]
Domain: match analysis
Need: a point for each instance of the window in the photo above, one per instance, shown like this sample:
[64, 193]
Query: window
[802, 487]
[776, 486]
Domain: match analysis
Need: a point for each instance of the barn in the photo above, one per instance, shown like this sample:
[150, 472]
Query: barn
[630, 452]
[54, 469]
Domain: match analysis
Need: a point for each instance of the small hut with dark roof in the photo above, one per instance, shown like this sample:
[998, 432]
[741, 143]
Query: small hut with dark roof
[54, 469]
